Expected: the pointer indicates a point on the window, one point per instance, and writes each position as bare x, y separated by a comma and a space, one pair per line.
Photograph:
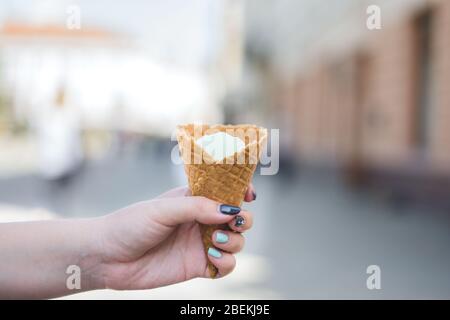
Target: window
424, 84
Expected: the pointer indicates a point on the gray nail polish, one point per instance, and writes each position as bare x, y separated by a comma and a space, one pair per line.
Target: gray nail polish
230, 210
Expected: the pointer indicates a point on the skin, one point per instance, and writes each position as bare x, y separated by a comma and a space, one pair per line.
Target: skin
146, 245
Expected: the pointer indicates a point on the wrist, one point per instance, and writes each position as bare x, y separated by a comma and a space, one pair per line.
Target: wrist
90, 253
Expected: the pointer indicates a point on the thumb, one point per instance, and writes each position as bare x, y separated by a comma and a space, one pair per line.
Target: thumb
175, 211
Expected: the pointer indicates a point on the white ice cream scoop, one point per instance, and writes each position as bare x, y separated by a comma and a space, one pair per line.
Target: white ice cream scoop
220, 145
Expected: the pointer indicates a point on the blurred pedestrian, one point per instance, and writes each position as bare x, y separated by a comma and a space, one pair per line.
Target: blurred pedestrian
59, 140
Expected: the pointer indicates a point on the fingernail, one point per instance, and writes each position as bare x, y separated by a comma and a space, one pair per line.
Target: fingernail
254, 195
221, 237
214, 253
230, 210
239, 221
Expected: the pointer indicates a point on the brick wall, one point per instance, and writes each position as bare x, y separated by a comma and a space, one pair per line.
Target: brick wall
310, 104
326, 112
364, 105
390, 96
440, 148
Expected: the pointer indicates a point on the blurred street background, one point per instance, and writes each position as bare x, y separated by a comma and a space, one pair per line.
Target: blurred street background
91, 91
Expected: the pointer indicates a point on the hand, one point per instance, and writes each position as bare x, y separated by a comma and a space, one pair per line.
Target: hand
158, 242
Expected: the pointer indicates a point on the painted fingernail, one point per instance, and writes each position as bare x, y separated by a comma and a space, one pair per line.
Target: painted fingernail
239, 221
254, 195
214, 253
221, 237
230, 210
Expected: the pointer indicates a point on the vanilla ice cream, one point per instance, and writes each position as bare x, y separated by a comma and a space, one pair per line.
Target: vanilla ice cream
220, 145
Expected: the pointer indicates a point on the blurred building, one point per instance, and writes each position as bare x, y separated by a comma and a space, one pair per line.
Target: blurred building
375, 103
39, 59
105, 74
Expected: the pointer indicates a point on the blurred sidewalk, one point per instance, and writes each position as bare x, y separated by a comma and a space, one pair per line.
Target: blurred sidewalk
312, 237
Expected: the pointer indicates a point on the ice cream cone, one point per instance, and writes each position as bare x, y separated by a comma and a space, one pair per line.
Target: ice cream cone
224, 181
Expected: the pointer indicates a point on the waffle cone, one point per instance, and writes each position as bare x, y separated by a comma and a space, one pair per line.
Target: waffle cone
224, 181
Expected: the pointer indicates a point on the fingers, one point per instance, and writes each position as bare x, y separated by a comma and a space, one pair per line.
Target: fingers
241, 222
174, 211
228, 241
224, 262
226, 244
250, 195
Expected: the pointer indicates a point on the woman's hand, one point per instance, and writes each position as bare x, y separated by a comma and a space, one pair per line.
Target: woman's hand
147, 245
158, 242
